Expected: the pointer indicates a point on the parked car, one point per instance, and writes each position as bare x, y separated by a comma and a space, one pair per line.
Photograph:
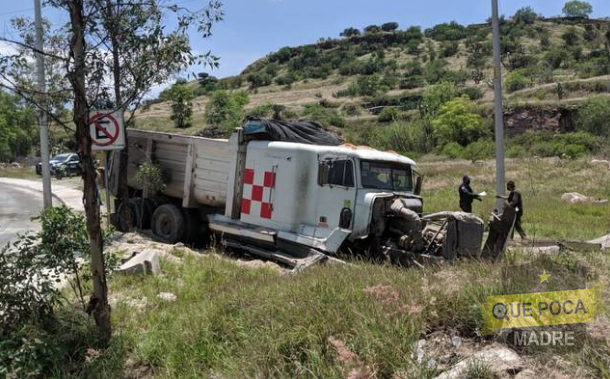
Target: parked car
67, 163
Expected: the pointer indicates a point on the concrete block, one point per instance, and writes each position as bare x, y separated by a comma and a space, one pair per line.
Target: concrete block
144, 263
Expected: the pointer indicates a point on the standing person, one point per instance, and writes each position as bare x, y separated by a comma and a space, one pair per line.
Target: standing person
515, 200
467, 195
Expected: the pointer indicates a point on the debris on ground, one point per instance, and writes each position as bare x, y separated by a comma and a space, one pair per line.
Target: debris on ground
143, 263
575, 198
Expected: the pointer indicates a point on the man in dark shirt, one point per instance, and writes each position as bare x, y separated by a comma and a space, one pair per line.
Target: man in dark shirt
515, 200
467, 195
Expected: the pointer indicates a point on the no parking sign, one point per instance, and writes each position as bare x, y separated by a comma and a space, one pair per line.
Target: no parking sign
107, 130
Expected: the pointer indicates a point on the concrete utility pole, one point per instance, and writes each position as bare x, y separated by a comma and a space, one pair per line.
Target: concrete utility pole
499, 109
44, 126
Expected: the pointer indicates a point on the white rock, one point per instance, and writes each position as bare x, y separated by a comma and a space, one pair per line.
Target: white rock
499, 358
457, 342
167, 296
526, 374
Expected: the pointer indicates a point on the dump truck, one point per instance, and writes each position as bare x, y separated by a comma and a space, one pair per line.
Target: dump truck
290, 193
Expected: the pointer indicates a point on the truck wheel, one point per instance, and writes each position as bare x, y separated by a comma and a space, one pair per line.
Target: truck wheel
126, 216
193, 232
168, 223
143, 212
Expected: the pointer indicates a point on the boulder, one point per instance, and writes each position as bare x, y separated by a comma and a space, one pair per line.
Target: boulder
144, 263
500, 360
575, 198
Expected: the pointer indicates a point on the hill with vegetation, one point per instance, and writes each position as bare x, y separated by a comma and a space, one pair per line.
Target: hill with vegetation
419, 91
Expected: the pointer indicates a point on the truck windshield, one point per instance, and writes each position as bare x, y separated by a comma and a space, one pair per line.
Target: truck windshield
386, 176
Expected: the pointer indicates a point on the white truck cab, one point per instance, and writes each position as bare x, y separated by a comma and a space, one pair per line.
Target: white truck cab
321, 196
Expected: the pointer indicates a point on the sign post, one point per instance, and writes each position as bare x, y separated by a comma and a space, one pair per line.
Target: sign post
107, 132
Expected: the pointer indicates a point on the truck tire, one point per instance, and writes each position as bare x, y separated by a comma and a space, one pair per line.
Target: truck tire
144, 209
126, 216
193, 231
168, 223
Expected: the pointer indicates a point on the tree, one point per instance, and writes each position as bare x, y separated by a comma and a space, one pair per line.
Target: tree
372, 29
180, 96
350, 32
458, 122
226, 109
517, 80
129, 41
593, 116
576, 8
389, 26
525, 16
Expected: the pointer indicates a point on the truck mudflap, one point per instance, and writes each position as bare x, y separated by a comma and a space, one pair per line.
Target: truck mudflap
296, 264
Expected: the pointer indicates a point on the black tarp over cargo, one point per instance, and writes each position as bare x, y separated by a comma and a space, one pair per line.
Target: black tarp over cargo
308, 132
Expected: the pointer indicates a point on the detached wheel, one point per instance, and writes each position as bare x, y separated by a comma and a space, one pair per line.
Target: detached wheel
168, 223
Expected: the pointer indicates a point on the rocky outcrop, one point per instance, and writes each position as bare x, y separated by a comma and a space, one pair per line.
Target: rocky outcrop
554, 120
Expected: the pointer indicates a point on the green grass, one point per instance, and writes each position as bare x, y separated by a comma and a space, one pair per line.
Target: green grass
542, 183
230, 321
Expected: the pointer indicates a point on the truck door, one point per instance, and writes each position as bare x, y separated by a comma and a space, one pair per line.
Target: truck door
336, 198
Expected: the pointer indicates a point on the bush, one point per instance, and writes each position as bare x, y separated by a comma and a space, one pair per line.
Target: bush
259, 80
180, 95
546, 144
447, 32
389, 26
325, 116
593, 116
411, 82
458, 122
453, 150
516, 80
389, 114
226, 109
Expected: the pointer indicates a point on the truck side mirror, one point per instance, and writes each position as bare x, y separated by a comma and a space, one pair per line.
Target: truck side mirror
323, 168
419, 180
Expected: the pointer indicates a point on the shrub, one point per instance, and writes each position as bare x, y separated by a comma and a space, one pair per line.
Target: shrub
325, 116
571, 36
226, 109
388, 114
350, 32
546, 144
450, 48
458, 122
473, 93
593, 116
416, 81
259, 80
389, 26
436, 96
517, 80
453, 150
447, 32
435, 70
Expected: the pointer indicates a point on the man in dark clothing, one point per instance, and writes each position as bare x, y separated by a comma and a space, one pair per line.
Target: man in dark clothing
515, 200
467, 195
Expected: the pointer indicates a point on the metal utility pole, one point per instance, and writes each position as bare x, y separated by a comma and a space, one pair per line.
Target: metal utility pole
44, 126
499, 109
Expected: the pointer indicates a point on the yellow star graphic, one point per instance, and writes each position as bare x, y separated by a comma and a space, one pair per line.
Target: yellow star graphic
544, 277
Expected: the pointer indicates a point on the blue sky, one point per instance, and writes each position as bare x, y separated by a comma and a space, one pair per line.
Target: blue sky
254, 28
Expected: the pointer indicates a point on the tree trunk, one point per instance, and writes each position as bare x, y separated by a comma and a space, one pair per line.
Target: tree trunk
98, 303
113, 13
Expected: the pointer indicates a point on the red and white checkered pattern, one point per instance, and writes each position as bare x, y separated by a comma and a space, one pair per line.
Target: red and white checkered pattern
256, 197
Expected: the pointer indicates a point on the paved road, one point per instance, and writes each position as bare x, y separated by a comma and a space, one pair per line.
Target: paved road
17, 205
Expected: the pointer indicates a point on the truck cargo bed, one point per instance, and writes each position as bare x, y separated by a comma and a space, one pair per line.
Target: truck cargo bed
197, 168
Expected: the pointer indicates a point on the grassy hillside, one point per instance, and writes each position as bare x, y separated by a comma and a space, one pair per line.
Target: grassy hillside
384, 76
